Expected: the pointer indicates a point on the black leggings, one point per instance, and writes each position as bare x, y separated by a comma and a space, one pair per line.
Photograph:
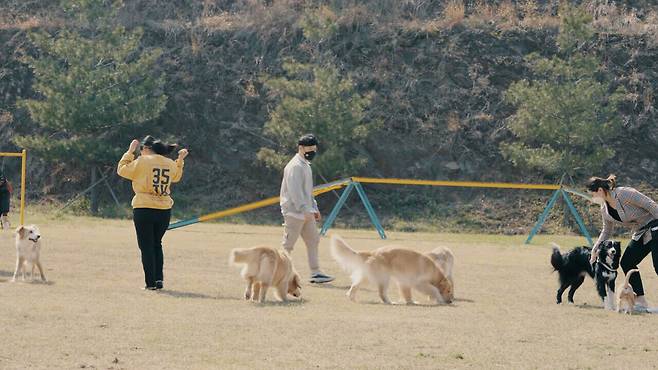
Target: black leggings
151, 225
634, 254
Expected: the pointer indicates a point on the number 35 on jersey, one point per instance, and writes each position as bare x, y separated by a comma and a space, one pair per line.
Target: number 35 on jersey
161, 181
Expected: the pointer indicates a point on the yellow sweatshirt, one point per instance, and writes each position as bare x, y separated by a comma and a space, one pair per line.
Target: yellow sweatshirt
152, 176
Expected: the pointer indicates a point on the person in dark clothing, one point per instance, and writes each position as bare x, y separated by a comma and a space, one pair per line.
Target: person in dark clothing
152, 175
5, 197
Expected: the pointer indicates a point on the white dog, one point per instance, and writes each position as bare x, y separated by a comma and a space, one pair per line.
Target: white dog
28, 246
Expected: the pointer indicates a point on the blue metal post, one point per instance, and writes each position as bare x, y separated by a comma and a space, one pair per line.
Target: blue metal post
334, 212
576, 215
182, 223
371, 211
543, 216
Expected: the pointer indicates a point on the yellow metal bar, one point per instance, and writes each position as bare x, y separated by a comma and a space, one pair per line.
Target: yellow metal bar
369, 180
5, 154
23, 176
330, 188
261, 204
236, 210
472, 184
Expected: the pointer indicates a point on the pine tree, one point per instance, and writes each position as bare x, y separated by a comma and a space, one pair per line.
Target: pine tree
94, 86
566, 115
315, 98
318, 100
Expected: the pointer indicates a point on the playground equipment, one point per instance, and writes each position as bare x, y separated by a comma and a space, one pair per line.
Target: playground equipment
355, 183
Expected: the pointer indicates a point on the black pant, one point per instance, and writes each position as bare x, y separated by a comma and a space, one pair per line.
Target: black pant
4, 202
634, 254
150, 225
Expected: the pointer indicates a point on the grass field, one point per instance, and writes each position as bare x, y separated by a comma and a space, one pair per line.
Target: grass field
93, 314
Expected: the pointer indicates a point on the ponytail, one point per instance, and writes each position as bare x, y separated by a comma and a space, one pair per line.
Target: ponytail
158, 146
163, 148
607, 184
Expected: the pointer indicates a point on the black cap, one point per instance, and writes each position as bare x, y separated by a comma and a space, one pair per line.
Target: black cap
307, 140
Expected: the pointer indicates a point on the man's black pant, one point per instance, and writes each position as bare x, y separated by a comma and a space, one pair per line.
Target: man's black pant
151, 225
634, 254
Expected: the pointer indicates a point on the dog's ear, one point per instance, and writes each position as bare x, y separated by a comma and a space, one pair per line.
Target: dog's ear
297, 281
21, 231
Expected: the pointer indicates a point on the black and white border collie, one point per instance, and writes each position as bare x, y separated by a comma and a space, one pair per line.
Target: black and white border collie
575, 264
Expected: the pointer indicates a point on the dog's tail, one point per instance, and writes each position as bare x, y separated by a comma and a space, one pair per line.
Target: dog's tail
557, 261
238, 256
628, 276
348, 259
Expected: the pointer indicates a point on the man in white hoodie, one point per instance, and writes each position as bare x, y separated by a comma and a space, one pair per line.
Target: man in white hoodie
299, 209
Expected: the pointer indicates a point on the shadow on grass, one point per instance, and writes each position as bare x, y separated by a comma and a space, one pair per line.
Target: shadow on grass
417, 304
347, 287
39, 282
341, 287
180, 294
27, 281
330, 286
591, 307
291, 303
6, 273
586, 306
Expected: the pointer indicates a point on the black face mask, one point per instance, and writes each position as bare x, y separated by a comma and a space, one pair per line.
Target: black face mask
309, 155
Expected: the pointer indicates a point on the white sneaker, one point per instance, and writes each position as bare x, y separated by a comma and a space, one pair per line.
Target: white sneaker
641, 308
5, 223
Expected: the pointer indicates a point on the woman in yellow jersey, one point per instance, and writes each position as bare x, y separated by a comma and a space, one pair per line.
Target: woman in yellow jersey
152, 175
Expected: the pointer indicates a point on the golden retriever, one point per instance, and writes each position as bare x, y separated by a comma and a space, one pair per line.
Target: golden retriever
28, 248
443, 257
626, 298
265, 267
409, 268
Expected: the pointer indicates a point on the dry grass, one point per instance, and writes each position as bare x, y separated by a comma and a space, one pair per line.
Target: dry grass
615, 19
503, 16
28, 23
220, 22
93, 313
453, 13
